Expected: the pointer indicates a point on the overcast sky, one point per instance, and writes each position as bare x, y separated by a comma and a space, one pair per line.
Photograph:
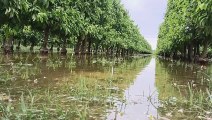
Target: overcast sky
148, 15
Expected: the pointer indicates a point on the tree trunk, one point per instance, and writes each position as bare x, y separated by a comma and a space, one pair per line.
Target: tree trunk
18, 46
64, 50
107, 50
51, 49
3, 43
32, 47
89, 46
122, 52
198, 49
205, 50
82, 47
8, 46
195, 50
96, 49
58, 48
127, 52
190, 52
44, 49
77, 47
184, 51
117, 50
103, 50
112, 50
174, 56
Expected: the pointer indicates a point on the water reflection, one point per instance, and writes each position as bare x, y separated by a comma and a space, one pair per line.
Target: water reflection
184, 90
141, 98
94, 87
82, 86
159, 87
174, 76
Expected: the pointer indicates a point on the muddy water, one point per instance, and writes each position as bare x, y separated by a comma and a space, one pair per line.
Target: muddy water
141, 97
163, 80
83, 87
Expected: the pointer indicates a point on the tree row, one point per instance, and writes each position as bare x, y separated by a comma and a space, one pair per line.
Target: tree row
87, 26
187, 30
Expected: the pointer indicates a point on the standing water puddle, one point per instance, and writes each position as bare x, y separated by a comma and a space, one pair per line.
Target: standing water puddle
93, 88
141, 98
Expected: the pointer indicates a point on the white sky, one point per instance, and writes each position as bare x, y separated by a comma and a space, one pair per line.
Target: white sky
148, 15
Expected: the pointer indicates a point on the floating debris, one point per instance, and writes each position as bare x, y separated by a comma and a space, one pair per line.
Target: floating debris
180, 110
35, 81
169, 114
4, 97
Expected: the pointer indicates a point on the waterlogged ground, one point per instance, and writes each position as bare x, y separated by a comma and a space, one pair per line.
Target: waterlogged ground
83, 87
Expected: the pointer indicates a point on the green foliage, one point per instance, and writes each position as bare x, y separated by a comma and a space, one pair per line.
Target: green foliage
187, 25
103, 24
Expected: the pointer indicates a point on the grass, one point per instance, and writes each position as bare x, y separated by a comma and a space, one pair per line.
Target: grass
76, 94
81, 101
73, 88
195, 106
192, 101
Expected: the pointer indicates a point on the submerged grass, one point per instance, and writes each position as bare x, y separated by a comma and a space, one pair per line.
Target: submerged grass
78, 101
63, 89
191, 102
196, 106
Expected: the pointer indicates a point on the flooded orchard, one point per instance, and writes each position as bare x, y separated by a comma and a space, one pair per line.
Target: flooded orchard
99, 87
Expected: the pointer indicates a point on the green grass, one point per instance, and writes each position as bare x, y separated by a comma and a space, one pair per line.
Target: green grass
84, 94
197, 104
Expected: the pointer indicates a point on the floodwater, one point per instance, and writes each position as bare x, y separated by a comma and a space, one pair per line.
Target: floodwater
138, 105
85, 87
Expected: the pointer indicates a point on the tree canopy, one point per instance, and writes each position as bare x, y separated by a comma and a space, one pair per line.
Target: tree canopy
87, 26
187, 29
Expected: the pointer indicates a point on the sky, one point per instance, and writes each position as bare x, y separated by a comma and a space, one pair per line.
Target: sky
148, 15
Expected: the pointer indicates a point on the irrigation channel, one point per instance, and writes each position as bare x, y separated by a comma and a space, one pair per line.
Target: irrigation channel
98, 87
